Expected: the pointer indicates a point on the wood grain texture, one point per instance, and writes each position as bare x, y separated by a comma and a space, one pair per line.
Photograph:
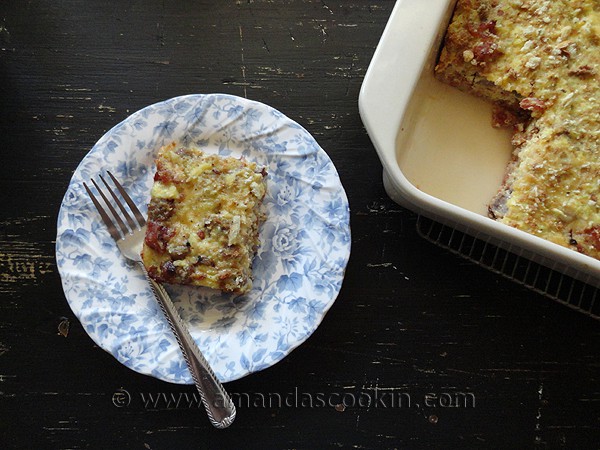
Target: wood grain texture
412, 322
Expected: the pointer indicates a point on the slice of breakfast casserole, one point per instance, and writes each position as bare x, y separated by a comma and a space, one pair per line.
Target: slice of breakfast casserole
203, 219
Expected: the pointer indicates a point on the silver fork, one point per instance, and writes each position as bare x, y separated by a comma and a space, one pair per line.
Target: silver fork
129, 237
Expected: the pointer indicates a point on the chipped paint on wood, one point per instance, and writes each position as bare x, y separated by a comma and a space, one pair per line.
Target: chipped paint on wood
25, 264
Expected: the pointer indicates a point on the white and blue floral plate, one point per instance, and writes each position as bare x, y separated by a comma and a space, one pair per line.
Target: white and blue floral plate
298, 270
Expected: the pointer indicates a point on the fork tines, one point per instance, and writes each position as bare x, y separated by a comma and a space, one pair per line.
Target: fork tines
123, 229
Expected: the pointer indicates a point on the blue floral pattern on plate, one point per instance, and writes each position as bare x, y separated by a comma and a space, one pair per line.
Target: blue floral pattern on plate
298, 270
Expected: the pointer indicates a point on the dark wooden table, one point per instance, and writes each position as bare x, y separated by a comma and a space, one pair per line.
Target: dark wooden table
449, 354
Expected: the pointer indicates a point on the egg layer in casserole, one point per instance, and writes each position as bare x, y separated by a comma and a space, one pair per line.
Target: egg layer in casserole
203, 219
539, 60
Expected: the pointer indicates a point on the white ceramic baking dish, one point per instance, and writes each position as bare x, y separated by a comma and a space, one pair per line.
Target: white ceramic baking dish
441, 158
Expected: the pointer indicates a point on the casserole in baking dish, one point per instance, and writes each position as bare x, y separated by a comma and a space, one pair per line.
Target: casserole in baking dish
440, 156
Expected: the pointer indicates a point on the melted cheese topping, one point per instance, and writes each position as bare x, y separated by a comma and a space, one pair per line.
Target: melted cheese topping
203, 219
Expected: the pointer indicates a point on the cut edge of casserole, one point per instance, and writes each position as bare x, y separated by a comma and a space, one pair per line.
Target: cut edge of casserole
203, 219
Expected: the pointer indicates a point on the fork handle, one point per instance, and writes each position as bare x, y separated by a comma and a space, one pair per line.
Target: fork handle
217, 402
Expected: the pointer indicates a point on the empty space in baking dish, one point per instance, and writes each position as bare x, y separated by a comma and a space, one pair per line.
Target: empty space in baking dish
447, 147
